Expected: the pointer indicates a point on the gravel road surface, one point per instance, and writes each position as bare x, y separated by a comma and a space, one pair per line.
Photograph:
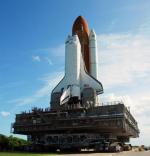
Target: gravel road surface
144, 153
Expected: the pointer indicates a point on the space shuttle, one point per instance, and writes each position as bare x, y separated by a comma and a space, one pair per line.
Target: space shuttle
79, 86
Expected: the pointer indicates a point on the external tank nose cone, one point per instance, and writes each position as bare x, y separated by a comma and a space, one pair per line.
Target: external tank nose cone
80, 24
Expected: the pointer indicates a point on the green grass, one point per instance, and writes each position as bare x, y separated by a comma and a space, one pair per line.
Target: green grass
23, 154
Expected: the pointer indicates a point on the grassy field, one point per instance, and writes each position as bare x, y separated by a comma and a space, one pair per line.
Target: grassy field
23, 154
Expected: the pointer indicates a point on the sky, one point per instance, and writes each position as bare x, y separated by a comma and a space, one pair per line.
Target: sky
32, 54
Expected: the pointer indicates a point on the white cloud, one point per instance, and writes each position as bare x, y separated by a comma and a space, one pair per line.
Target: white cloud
124, 58
125, 63
49, 61
39, 59
57, 51
50, 81
4, 114
36, 58
144, 27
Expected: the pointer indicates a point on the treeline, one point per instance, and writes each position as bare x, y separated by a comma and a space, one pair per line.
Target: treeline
12, 143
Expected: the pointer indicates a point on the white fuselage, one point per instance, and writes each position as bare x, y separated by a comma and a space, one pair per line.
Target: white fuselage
72, 63
76, 77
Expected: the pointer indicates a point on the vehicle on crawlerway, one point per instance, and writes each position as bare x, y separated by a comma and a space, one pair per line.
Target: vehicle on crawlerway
75, 119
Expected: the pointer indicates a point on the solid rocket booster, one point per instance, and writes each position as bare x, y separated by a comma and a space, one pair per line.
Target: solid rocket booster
93, 54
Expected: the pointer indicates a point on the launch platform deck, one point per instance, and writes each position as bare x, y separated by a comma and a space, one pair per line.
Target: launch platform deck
112, 119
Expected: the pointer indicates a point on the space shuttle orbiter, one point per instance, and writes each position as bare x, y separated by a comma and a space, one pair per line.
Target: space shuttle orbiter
79, 87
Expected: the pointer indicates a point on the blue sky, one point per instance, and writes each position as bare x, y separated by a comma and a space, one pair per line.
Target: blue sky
32, 36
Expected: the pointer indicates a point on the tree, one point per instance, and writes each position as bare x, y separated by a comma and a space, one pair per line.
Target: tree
3, 142
12, 143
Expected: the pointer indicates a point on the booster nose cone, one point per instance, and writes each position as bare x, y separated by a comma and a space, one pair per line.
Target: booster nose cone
92, 35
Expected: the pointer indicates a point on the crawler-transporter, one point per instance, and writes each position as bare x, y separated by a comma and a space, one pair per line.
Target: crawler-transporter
75, 120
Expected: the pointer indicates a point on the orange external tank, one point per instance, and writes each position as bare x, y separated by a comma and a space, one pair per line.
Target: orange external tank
80, 27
